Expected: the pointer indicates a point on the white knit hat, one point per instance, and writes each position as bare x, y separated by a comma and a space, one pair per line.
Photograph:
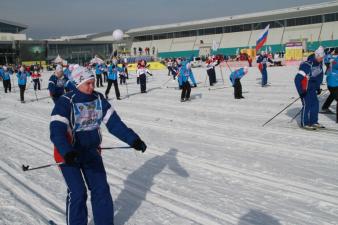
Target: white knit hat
72, 67
320, 52
58, 68
80, 75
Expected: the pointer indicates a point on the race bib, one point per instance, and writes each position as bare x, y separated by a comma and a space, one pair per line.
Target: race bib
60, 82
87, 116
316, 71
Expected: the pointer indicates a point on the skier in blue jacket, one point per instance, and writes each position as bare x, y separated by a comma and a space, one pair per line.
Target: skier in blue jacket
113, 71
184, 75
332, 84
22, 76
57, 83
75, 132
327, 60
6, 74
307, 81
262, 61
98, 72
235, 78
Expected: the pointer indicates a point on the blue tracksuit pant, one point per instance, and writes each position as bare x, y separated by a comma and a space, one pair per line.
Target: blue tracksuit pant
310, 108
264, 76
93, 175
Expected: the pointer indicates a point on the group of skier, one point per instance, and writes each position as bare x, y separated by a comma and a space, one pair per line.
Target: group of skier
79, 111
23, 74
307, 81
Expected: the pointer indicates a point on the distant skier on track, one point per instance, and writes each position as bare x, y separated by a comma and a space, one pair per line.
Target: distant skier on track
183, 79
22, 76
142, 72
75, 132
6, 74
262, 61
56, 84
235, 78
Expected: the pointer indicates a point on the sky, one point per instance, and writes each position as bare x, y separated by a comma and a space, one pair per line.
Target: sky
50, 18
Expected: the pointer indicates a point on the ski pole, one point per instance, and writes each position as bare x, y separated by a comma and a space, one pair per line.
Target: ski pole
220, 68
127, 89
213, 89
36, 95
109, 148
293, 118
205, 82
228, 66
281, 111
13, 85
165, 82
27, 168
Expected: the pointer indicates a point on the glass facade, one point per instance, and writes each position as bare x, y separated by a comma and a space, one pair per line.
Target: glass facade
7, 28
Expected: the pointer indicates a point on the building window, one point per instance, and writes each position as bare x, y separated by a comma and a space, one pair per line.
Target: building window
209, 31
331, 17
219, 30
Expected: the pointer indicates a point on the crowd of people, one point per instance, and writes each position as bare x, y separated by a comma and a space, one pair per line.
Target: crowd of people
79, 111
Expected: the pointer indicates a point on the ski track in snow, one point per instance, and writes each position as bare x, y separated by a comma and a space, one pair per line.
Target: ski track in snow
209, 161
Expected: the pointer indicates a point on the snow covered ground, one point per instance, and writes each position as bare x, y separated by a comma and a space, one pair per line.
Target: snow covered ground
209, 161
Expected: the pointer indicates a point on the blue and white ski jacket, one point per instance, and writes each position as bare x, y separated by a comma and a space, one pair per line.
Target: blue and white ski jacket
309, 76
56, 86
263, 60
81, 115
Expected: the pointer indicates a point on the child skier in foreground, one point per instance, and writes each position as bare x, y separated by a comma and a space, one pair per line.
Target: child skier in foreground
235, 78
75, 132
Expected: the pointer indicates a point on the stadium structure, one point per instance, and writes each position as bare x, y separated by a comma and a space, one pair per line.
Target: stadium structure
313, 25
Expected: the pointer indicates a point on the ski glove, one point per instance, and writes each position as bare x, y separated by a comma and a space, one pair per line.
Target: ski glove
70, 157
195, 85
139, 145
319, 91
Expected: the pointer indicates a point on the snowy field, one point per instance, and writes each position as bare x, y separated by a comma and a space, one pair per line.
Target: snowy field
209, 161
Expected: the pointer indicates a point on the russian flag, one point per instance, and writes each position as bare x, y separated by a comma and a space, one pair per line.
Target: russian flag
262, 38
